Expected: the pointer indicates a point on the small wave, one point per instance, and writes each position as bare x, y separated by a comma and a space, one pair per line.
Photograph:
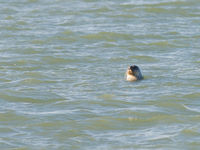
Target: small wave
154, 3
161, 43
190, 132
108, 36
197, 62
9, 18
35, 74
38, 42
157, 10
62, 38
32, 1
192, 109
192, 96
12, 116
9, 10
173, 3
171, 11
34, 81
30, 97
127, 16
68, 32
57, 60
57, 112
98, 10
144, 58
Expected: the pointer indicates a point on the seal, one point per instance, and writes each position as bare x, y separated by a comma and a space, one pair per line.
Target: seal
133, 73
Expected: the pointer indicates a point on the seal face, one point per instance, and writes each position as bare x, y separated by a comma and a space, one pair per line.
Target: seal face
133, 73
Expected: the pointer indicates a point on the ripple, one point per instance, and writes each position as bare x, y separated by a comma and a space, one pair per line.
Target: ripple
108, 36
144, 58
12, 117
161, 43
98, 10
190, 132
192, 96
57, 60
31, 97
48, 113
172, 11
192, 108
62, 74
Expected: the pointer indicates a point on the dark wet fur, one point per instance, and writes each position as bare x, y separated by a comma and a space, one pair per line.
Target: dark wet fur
136, 72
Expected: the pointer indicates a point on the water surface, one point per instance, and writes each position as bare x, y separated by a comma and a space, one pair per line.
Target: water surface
62, 66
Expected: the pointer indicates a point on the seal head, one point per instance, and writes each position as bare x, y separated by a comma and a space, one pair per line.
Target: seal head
133, 73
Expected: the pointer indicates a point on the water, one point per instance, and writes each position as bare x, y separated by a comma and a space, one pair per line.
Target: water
62, 66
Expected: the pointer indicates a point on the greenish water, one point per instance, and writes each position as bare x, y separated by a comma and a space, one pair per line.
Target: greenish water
62, 65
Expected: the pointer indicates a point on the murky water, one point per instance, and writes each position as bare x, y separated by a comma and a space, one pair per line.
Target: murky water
62, 65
